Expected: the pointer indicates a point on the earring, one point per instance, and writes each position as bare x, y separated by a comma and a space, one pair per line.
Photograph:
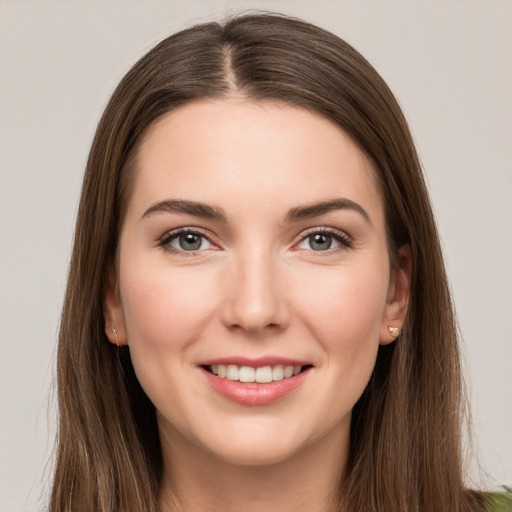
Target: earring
394, 331
117, 337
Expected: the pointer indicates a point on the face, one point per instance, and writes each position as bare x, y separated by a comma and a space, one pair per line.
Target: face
253, 283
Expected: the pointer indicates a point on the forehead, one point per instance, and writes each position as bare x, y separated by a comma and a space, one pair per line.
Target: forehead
243, 153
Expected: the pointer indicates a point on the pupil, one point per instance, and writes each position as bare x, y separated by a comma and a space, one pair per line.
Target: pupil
320, 242
190, 242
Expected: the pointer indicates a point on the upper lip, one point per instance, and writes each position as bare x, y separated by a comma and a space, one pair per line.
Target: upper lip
257, 362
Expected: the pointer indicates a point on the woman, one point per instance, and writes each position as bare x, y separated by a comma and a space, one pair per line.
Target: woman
256, 242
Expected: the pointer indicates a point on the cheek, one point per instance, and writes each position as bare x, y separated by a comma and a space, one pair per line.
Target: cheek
165, 313
345, 308
165, 309
344, 314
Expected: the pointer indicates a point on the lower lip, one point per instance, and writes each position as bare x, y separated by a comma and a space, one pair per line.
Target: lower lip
253, 393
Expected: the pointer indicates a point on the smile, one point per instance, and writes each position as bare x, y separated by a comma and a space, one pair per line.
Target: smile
262, 375
255, 382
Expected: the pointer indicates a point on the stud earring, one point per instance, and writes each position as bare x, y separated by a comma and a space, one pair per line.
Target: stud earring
394, 331
117, 337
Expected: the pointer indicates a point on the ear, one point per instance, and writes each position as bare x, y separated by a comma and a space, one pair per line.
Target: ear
115, 328
397, 301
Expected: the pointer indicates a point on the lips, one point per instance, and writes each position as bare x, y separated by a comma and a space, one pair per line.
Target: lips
255, 382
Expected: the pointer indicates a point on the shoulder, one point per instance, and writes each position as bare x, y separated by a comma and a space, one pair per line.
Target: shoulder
499, 501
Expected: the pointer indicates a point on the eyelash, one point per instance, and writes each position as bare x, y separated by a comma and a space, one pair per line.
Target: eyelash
165, 241
339, 236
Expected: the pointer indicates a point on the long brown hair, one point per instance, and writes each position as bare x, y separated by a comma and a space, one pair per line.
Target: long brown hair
406, 428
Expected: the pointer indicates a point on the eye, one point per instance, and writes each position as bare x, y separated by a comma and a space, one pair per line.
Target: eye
185, 240
324, 240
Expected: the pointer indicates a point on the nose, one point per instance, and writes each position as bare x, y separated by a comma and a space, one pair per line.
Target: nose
254, 294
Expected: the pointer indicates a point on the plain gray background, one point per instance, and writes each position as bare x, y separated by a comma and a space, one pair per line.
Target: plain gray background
448, 62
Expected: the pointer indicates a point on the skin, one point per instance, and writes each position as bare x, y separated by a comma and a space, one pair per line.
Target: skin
255, 288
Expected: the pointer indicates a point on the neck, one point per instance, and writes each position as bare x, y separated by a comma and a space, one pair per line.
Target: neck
196, 480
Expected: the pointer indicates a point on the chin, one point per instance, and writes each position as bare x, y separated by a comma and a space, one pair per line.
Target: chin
254, 454
266, 443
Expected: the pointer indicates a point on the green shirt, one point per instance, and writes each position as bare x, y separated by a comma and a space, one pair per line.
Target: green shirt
499, 501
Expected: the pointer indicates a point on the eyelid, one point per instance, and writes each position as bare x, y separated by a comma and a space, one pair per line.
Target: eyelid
341, 236
164, 241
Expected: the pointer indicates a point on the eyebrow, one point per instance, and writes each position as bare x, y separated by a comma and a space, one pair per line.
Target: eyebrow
207, 211
197, 209
317, 209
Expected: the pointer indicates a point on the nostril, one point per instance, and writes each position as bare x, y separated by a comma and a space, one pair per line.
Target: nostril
253, 300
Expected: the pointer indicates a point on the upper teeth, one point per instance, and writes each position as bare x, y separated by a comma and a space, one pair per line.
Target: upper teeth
249, 374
